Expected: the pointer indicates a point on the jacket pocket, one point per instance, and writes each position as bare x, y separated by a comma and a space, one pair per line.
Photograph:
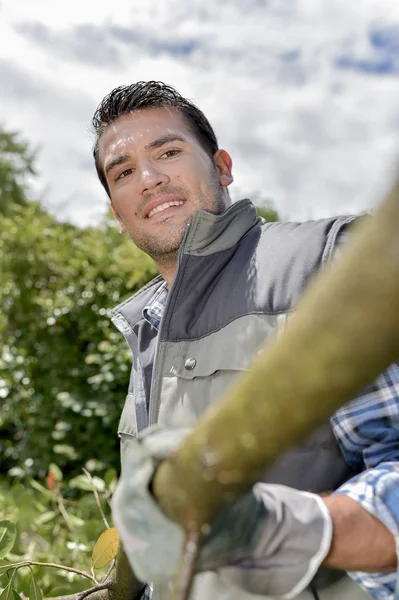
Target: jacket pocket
198, 372
231, 348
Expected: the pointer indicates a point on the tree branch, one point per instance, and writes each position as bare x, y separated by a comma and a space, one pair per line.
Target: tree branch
122, 585
345, 332
29, 563
94, 590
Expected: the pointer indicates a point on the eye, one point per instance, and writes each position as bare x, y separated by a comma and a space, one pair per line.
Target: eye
170, 153
124, 173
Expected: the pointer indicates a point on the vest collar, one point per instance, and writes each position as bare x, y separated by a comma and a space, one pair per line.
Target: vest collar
207, 234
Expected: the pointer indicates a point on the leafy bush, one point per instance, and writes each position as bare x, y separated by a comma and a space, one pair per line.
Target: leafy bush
51, 527
64, 368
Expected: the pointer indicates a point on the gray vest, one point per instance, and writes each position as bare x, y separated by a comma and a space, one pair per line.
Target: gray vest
238, 280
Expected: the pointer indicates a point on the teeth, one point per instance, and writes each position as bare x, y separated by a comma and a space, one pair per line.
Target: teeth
163, 206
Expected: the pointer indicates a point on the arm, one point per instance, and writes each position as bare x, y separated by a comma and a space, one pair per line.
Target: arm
365, 510
362, 538
272, 540
361, 542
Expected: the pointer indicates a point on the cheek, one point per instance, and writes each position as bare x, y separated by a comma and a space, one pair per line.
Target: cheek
125, 204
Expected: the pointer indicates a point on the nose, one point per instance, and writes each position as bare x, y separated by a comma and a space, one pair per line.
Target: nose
151, 176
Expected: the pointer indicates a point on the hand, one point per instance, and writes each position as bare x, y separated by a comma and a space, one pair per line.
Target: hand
152, 542
271, 541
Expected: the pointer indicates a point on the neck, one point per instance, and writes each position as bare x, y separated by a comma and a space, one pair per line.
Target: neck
167, 267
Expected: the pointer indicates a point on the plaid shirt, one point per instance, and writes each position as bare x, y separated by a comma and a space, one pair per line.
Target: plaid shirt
367, 430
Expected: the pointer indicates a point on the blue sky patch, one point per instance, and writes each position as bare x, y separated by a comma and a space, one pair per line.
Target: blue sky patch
382, 57
379, 65
386, 39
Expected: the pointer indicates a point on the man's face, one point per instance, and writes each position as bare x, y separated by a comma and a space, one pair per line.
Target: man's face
158, 175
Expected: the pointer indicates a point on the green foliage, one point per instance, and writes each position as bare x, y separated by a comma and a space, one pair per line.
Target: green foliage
35, 593
268, 213
8, 592
16, 165
7, 537
51, 528
64, 368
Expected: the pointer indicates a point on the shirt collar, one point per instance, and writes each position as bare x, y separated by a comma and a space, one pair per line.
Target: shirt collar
154, 309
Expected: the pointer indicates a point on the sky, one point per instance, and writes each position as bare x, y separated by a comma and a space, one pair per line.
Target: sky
303, 94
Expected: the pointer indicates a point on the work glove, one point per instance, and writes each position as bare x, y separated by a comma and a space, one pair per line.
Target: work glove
269, 542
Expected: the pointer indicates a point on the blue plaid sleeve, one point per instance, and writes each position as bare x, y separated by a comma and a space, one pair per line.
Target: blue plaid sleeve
367, 430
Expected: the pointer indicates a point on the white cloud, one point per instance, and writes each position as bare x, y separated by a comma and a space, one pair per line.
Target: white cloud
303, 94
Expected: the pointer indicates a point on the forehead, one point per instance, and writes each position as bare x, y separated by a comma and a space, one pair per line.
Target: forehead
134, 131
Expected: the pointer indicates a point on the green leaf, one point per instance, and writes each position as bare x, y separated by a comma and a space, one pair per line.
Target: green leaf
81, 482
56, 470
77, 521
6, 566
111, 479
35, 593
40, 488
15, 594
7, 593
45, 517
8, 534
66, 450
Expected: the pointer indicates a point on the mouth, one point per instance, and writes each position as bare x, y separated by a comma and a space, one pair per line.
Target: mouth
163, 206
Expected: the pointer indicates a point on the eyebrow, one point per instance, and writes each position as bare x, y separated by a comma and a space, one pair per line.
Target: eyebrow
119, 160
122, 158
166, 139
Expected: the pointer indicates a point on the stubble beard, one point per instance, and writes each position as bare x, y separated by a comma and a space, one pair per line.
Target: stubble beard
163, 246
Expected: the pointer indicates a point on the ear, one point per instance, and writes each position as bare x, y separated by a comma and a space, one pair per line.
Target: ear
117, 217
224, 164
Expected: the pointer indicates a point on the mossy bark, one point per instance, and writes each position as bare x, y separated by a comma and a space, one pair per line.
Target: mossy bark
344, 333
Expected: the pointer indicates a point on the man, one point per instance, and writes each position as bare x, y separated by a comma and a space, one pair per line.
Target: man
227, 284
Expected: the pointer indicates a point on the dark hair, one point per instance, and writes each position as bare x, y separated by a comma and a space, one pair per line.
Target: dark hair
126, 99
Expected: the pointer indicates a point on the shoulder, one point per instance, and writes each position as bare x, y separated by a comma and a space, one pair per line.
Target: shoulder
306, 231
296, 249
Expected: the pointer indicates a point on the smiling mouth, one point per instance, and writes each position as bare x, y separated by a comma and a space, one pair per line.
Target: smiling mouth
164, 206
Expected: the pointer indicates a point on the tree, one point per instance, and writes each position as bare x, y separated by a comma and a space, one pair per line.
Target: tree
268, 213
64, 368
16, 165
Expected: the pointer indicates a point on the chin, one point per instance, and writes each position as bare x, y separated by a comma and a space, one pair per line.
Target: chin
163, 243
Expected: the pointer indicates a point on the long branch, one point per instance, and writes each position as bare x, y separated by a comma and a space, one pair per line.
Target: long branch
122, 585
94, 590
345, 332
29, 563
